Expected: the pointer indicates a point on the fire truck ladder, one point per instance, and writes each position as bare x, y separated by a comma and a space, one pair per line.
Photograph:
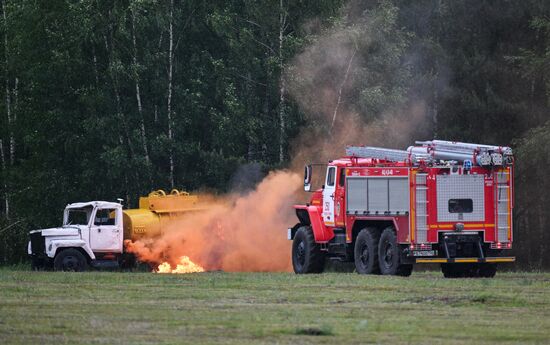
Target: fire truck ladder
503, 214
483, 155
421, 207
381, 153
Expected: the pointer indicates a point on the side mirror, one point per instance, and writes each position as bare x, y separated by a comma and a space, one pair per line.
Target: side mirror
307, 178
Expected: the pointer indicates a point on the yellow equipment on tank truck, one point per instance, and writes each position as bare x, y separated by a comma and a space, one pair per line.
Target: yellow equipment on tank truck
93, 233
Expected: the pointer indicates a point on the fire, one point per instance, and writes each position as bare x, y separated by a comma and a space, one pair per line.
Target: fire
185, 265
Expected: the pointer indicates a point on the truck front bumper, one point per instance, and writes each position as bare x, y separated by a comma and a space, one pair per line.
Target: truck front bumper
464, 260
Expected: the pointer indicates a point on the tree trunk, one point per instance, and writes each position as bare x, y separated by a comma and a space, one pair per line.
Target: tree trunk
7, 86
169, 101
111, 49
435, 113
138, 93
157, 75
339, 99
123, 132
282, 23
94, 59
4, 170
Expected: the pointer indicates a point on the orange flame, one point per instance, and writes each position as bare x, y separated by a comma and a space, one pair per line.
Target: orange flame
185, 265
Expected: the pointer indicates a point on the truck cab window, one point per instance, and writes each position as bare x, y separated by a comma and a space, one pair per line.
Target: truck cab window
342, 180
105, 216
78, 216
331, 176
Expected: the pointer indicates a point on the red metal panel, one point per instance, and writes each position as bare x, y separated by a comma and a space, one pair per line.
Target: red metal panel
412, 206
320, 231
490, 207
339, 202
488, 225
431, 196
401, 224
512, 192
378, 171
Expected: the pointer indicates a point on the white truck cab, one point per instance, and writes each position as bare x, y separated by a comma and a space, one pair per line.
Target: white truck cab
91, 234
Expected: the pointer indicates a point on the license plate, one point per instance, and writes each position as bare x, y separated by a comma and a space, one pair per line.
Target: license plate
424, 252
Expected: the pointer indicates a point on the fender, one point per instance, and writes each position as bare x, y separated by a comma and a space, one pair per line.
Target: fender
54, 245
321, 233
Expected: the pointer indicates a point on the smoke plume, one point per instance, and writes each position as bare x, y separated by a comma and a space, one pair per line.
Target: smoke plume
235, 233
354, 84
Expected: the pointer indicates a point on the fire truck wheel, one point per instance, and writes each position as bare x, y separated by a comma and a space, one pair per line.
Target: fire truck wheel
459, 270
70, 260
447, 270
366, 251
307, 256
487, 270
37, 264
451, 270
389, 255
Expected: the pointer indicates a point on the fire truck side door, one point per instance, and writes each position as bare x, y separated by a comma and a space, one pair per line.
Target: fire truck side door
105, 232
339, 197
328, 196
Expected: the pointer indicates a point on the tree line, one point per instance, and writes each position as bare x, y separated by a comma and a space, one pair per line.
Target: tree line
107, 99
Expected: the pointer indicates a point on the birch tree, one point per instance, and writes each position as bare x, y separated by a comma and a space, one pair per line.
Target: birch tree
282, 28
10, 115
169, 97
138, 92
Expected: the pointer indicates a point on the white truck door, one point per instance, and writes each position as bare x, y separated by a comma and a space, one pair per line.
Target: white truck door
106, 230
328, 196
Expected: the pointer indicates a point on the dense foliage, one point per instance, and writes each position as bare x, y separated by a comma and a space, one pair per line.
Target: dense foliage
113, 99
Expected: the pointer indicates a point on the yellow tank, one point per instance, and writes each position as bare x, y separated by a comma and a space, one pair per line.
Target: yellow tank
155, 210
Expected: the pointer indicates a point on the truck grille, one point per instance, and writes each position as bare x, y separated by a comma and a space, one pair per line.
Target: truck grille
38, 243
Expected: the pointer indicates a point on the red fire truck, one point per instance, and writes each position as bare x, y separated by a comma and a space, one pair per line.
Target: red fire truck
436, 202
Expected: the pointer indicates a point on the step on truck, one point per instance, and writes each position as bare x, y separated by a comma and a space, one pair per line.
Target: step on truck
386, 210
93, 233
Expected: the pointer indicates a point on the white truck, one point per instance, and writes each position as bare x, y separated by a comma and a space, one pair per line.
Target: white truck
93, 233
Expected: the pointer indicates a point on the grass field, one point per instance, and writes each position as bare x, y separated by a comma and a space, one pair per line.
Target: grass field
342, 308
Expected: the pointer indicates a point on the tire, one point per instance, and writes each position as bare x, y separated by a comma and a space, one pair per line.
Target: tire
307, 256
127, 261
37, 264
70, 260
461, 270
389, 255
404, 270
366, 251
448, 271
487, 270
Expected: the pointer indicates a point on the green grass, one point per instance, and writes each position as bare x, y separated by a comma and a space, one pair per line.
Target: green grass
240, 308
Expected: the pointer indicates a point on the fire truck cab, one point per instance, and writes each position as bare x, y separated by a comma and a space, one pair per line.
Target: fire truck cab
386, 210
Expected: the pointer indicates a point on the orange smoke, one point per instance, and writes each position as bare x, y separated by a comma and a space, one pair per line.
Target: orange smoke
233, 233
